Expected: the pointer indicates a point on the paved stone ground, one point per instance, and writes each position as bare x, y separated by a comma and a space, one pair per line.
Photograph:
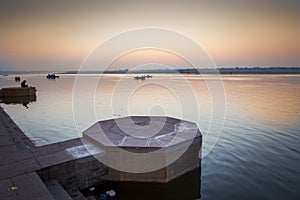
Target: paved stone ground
18, 163
20, 160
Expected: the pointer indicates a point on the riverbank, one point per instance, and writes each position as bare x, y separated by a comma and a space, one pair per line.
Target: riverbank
18, 163
29, 172
211, 70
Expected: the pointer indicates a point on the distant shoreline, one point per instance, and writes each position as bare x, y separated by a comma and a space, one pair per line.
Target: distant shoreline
236, 70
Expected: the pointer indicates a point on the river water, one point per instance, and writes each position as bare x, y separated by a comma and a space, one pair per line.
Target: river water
250, 123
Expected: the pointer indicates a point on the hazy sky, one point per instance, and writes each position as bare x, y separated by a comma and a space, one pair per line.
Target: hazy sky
58, 35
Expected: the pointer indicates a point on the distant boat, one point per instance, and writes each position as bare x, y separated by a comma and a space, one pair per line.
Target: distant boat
140, 77
17, 78
52, 76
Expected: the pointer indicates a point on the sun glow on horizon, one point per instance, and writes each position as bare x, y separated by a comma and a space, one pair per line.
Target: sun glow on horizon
234, 33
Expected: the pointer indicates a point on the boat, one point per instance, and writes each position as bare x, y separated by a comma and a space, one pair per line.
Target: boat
17, 91
140, 77
52, 76
17, 78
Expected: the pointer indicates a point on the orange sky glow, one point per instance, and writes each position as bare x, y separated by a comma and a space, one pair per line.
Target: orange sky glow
58, 35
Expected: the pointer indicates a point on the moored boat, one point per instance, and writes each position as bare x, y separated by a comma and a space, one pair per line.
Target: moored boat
17, 91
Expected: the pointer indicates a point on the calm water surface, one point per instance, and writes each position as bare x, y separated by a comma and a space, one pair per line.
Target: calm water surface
257, 155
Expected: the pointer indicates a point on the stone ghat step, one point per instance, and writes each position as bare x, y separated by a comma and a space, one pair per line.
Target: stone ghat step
147, 149
57, 190
142, 131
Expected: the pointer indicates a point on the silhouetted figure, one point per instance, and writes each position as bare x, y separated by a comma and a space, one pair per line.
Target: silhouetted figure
23, 84
17, 78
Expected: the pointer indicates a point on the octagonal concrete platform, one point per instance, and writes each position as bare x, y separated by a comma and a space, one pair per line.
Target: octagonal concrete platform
147, 149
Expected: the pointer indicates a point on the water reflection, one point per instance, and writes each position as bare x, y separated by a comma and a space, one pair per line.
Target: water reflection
274, 98
23, 100
186, 187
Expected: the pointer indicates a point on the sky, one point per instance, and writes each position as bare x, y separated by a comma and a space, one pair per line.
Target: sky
59, 35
